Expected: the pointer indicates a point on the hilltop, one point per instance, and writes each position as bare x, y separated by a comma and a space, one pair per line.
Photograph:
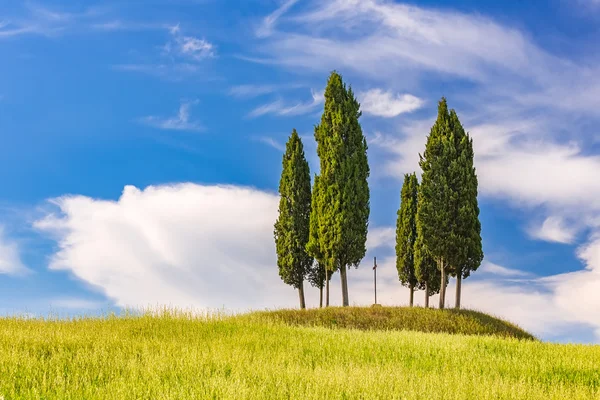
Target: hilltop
465, 322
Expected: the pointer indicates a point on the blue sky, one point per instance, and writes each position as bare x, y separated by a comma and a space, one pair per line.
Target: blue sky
141, 146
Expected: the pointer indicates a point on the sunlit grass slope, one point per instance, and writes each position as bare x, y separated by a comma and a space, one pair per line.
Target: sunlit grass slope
400, 318
252, 357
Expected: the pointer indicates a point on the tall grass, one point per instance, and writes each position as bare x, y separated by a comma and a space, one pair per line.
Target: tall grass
185, 356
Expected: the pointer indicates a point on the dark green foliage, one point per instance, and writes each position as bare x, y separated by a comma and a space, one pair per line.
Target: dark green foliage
426, 270
467, 214
399, 318
316, 275
313, 246
448, 215
343, 203
434, 214
292, 225
406, 232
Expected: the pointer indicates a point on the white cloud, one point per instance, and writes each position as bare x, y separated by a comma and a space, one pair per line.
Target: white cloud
384, 236
251, 90
180, 57
279, 108
395, 36
181, 122
183, 245
10, 257
268, 23
190, 47
39, 20
553, 229
495, 269
386, 104
271, 142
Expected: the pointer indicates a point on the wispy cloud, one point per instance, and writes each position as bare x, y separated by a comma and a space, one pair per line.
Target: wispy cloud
278, 107
249, 91
180, 122
495, 269
268, 23
10, 257
35, 19
181, 56
385, 104
269, 141
190, 47
117, 25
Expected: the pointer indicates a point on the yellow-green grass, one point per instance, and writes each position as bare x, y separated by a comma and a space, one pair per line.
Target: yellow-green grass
177, 356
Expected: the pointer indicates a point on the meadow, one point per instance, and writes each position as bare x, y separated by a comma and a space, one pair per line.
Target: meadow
177, 355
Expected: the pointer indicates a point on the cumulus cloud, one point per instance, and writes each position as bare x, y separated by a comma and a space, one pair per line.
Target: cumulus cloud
386, 104
184, 245
10, 257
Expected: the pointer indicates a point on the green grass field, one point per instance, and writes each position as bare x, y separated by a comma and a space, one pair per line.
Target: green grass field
263, 356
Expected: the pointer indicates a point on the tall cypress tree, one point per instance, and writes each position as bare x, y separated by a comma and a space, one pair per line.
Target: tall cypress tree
468, 235
435, 208
292, 225
343, 206
406, 234
448, 213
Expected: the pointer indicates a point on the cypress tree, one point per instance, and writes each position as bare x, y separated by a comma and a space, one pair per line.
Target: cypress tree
406, 234
447, 212
468, 237
343, 207
292, 225
434, 211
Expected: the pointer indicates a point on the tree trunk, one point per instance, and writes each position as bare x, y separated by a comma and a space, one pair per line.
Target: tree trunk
443, 283
321, 297
326, 288
301, 294
426, 295
412, 294
344, 279
458, 290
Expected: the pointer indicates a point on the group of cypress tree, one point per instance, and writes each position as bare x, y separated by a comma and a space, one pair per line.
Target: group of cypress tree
319, 233
438, 230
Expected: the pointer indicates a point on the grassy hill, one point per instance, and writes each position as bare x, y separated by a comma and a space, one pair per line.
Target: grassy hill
419, 319
260, 356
